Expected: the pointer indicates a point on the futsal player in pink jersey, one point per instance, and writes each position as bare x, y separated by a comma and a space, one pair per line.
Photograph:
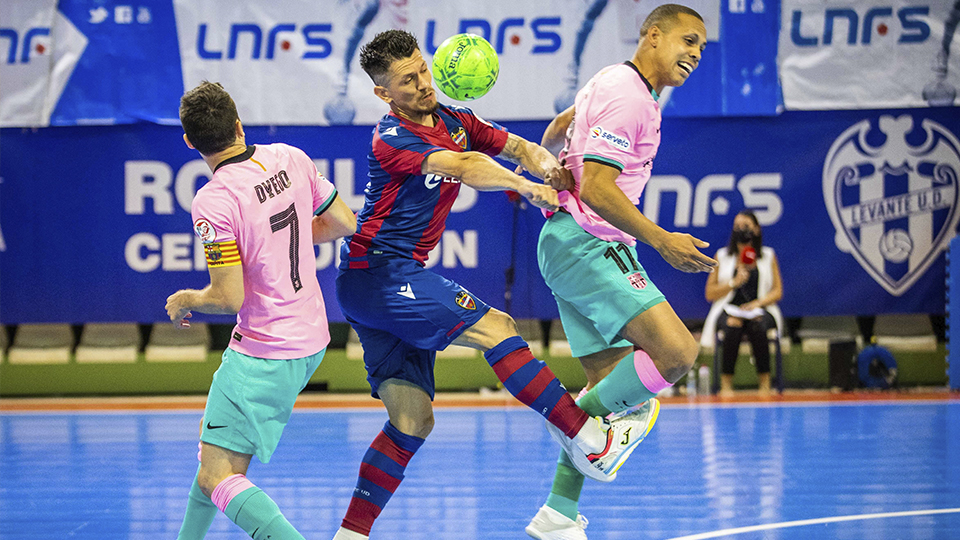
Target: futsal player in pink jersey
258, 218
629, 340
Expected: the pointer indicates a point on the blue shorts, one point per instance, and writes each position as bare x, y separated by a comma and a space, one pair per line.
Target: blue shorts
404, 313
251, 399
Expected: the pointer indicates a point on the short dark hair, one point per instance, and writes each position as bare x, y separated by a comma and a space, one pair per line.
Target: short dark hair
384, 49
665, 17
209, 116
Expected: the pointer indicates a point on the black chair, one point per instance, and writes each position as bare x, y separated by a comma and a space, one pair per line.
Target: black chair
773, 335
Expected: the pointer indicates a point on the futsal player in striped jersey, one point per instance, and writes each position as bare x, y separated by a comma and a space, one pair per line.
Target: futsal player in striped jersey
258, 218
629, 340
421, 153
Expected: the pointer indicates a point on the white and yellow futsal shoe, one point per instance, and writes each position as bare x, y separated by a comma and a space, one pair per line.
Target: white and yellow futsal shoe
549, 524
624, 433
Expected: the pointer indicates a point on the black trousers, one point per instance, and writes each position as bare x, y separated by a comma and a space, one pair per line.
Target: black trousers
756, 332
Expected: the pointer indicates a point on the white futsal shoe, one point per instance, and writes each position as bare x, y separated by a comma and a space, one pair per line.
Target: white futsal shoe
549, 524
624, 433
347, 534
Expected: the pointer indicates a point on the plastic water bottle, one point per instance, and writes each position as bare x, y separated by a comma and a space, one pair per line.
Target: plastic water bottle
703, 380
692, 382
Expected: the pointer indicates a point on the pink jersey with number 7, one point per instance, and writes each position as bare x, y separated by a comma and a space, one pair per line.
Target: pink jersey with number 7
256, 211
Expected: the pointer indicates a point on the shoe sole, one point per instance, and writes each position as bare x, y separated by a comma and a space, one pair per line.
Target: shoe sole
532, 532
622, 458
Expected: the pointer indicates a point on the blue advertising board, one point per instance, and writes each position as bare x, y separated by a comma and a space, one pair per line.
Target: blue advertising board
859, 206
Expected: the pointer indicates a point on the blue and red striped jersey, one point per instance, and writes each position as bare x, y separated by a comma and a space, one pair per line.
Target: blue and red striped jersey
404, 211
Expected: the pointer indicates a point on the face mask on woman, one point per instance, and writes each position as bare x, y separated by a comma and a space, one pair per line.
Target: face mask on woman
743, 236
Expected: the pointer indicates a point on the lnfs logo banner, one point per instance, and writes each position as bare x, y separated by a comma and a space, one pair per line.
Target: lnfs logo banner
890, 187
39, 48
869, 54
290, 63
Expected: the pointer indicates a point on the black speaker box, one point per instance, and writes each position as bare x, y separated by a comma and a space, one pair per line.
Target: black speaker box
843, 359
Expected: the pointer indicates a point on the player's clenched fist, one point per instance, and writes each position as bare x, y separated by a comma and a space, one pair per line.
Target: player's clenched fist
540, 195
560, 179
176, 309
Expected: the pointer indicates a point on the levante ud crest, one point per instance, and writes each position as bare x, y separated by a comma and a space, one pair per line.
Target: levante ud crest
890, 188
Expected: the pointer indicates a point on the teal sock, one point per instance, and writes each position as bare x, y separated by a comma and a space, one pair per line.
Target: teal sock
199, 515
616, 392
256, 513
567, 484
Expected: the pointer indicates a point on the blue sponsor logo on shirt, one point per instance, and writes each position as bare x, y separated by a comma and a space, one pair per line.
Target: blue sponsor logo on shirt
600, 133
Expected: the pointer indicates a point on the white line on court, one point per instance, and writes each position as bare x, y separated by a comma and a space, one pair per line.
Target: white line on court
804, 522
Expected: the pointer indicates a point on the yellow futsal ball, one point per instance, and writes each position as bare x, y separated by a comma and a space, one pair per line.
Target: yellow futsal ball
465, 67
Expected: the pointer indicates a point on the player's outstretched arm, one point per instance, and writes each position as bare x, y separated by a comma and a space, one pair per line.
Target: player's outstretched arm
482, 173
334, 222
223, 296
598, 189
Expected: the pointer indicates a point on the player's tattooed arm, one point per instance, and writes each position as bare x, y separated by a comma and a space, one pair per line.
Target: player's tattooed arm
530, 156
538, 160
483, 173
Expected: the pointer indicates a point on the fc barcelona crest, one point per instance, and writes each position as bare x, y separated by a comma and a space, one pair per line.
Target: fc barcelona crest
465, 301
460, 137
891, 191
636, 280
214, 253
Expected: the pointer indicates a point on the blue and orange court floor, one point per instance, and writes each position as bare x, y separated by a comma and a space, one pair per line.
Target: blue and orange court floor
802, 466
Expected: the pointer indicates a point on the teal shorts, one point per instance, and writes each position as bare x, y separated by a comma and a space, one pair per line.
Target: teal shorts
599, 286
251, 399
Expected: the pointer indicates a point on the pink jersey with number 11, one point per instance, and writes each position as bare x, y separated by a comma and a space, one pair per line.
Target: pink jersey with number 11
256, 211
617, 123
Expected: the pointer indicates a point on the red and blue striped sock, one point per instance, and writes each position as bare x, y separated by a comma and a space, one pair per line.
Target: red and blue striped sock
381, 472
534, 384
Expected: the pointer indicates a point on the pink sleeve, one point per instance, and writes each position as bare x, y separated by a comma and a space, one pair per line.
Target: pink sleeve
213, 217
323, 190
614, 126
323, 194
